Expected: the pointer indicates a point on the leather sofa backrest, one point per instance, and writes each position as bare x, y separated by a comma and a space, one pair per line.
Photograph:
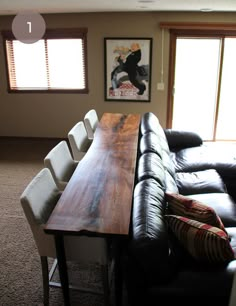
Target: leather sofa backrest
150, 247
155, 175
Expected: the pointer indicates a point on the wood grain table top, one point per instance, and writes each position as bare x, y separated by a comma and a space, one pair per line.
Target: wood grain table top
98, 197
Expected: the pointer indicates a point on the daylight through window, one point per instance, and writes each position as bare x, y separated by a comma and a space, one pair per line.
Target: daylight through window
51, 64
201, 95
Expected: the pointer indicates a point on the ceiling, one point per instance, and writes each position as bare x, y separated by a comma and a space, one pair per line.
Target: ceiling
12, 7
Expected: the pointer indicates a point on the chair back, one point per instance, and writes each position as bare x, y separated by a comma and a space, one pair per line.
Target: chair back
38, 201
91, 122
61, 164
79, 142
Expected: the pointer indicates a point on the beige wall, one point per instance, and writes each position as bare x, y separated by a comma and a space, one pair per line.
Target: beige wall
52, 115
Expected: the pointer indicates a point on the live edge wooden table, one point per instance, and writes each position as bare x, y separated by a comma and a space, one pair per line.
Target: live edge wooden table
97, 201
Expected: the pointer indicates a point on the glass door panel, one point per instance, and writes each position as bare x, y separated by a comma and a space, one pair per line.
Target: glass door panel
195, 88
226, 125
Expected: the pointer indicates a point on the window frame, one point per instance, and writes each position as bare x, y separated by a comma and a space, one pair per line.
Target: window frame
51, 34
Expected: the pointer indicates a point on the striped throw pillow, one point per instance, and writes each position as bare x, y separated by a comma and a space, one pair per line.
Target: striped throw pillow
192, 209
204, 242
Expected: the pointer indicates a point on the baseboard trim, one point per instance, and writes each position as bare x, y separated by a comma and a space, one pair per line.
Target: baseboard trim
32, 138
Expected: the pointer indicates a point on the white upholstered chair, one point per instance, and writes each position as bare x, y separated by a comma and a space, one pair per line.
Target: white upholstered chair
61, 164
79, 141
91, 122
38, 201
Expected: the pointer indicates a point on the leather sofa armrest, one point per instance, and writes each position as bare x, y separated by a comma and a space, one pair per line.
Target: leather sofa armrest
182, 139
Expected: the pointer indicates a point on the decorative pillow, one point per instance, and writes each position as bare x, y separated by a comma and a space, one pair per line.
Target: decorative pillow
204, 242
193, 209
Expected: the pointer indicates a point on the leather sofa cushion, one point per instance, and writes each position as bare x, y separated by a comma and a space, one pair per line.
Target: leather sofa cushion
168, 164
192, 159
148, 211
221, 157
195, 285
182, 139
149, 142
149, 123
149, 245
205, 181
232, 235
223, 205
170, 184
150, 166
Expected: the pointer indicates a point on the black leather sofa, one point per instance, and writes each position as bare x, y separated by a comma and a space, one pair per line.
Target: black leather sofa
177, 162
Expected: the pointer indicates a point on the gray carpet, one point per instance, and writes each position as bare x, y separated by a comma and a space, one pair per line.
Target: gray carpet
20, 269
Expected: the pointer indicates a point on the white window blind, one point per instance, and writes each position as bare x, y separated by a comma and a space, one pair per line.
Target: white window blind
50, 64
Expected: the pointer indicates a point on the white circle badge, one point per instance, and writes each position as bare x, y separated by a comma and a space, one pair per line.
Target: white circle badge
28, 27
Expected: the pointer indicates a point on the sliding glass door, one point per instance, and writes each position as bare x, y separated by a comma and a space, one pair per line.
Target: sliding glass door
203, 90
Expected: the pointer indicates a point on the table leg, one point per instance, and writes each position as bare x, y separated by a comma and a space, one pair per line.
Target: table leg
61, 259
118, 271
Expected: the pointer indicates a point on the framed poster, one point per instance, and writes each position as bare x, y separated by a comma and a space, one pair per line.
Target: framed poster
128, 69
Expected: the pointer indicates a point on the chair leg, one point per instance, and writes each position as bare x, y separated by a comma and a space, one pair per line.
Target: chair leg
50, 276
58, 284
44, 265
106, 286
47, 276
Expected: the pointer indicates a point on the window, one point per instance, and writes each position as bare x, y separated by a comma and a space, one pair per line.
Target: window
56, 63
201, 95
